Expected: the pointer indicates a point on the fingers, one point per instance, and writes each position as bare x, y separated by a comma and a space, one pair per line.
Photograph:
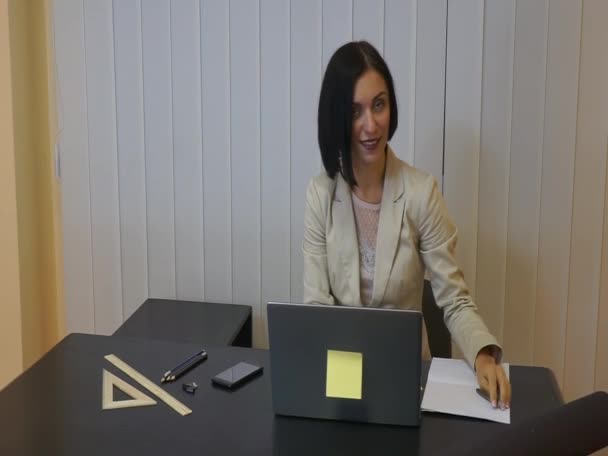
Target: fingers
504, 386
492, 385
486, 377
483, 381
494, 381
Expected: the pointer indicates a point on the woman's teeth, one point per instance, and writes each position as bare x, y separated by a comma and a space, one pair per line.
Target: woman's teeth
370, 144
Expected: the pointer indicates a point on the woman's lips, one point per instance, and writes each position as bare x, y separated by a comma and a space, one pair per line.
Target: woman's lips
370, 144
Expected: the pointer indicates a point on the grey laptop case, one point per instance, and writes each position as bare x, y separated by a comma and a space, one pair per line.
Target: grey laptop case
387, 340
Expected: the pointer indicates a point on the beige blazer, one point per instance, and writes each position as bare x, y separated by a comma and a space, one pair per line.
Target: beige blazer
415, 234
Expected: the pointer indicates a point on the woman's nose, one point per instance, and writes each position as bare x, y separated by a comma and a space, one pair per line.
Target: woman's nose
369, 122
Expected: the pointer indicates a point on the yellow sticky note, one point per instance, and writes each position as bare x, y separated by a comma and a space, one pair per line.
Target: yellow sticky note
344, 374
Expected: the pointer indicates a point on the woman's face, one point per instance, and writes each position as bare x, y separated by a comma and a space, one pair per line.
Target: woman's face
371, 118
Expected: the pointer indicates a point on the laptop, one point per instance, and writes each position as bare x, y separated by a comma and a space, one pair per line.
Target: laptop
345, 363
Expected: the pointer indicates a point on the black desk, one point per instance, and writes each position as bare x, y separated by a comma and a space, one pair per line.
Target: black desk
193, 322
54, 408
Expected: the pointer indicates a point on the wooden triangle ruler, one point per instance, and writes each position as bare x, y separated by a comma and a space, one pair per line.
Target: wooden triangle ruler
149, 385
110, 381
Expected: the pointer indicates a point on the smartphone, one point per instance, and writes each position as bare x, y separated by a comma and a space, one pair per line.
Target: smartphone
237, 375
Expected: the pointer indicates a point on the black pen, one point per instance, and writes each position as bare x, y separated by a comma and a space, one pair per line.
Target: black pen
483, 393
184, 367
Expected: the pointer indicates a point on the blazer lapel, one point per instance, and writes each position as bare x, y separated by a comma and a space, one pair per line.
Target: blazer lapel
389, 226
344, 218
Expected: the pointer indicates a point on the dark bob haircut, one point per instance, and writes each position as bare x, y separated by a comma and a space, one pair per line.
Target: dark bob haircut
334, 121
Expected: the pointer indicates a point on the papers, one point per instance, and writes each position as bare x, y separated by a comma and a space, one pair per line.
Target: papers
450, 388
344, 374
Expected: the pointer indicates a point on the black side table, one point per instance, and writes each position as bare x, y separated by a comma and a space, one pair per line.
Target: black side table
202, 323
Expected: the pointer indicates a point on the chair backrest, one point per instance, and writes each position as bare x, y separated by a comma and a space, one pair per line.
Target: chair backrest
579, 427
440, 341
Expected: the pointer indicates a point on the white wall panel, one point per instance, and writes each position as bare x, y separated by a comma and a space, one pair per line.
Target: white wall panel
430, 87
588, 203
103, 162
527, 122
368, 22
158, 128
337, 28
463, 125
245, 156
400, 31
131, 157
601, 354
274, 151
557, 183
74, 148
494, 158
187, 148
216, 150
305, 70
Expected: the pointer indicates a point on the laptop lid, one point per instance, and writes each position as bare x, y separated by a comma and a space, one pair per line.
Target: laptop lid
345, 363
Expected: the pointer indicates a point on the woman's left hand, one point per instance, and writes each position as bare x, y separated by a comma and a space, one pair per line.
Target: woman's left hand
492, 378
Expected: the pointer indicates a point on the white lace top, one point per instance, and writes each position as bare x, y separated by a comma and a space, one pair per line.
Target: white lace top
366, 221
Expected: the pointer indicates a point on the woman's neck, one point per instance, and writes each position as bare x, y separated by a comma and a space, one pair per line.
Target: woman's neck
370, 181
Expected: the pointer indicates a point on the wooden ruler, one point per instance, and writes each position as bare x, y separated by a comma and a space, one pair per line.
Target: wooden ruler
108, 403
151, 386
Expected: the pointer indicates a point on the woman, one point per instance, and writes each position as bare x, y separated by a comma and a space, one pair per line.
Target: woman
374, 225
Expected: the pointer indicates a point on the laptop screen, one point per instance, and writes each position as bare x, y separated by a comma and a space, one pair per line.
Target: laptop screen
345, 363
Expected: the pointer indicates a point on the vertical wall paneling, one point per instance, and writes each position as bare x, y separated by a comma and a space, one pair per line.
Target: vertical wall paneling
216, 150
430, 86
73, 142
245, 156
400, 55
524, 178
131, 160
588, 203
187, 135
337, 28
495, 141
556, 183
158, 109
368, 22
187, 148
305, 70
274, 152
462, 126
103, 161
601, 356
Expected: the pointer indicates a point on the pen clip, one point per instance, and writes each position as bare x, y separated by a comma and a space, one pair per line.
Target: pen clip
185, 366
190, 359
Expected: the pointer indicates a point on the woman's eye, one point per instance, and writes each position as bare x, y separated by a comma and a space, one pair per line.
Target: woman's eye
379, 104
356, 112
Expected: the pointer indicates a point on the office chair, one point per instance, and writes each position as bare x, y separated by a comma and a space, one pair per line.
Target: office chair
440, 340
577, 428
